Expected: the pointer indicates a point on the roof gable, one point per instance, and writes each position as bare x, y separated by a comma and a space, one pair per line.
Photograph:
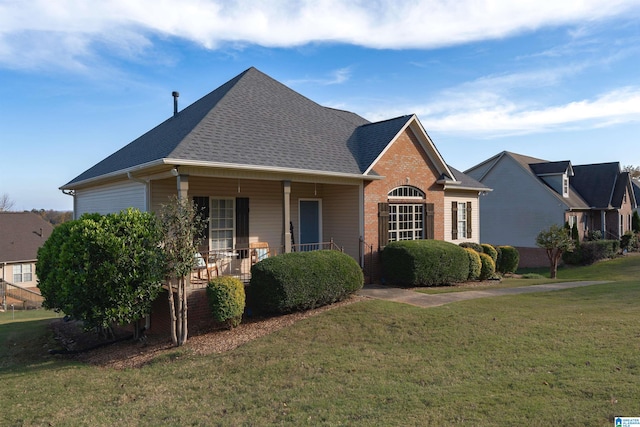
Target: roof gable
596, 183
21, 234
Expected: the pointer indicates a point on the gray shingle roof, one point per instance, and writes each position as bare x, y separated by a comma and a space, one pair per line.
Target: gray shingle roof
21, 234
251, 120
549, 168
596, 183
466, 181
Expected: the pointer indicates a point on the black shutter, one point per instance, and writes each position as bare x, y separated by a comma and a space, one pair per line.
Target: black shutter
383, 225
454, 220
201, 205
429, 226
469, 220
242, 226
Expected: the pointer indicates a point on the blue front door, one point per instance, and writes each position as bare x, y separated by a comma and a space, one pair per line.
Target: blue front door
309, 224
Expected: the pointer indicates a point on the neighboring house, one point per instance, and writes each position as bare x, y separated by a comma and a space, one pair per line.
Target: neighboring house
269, 167
21, 235
530, 194
636, 192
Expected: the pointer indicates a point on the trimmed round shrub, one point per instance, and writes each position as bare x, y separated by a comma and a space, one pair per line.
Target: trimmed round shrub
508, 260
302, 280
488, 267
424, 263
491, 251
475, 246
226, 299
475, 265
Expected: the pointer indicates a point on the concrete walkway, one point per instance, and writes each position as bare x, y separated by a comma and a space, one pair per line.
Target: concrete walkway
408, 296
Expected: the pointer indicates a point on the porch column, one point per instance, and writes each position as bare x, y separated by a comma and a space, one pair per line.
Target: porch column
603, 224
183, 186
286, 206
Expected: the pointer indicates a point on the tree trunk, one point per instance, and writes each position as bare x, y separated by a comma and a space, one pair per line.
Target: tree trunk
172, 314
179, 313
184, 329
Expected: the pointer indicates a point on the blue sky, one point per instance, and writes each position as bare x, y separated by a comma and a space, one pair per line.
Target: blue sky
550, 79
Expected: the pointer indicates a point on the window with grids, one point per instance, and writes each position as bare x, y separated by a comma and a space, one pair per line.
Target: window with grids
406, 221
22, 273
462, 220
222, 220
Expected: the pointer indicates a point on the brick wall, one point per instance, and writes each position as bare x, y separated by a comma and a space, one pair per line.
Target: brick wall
198, 312
404, 163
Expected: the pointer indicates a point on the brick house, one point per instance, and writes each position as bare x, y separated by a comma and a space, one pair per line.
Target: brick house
269, 166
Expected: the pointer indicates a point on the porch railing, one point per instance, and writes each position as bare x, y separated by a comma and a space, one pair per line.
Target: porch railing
238, 263
18, 296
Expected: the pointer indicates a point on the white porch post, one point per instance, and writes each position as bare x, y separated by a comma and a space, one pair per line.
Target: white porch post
183, 186
286, 206
603, 224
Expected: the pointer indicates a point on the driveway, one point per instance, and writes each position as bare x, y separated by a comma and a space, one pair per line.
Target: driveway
408, 296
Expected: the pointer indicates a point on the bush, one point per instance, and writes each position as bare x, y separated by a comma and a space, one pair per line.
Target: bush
491, 251
591, 251
302, 280
475, 246
629, 241
508, 260
488, 268
475, 265
226, 299
424, 263
598, 249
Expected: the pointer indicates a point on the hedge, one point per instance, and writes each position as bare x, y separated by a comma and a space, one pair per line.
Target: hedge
508, 260
302, 280
488, 266
424, 263
592, 251
475, 265
490, 250
226, 299
475, 246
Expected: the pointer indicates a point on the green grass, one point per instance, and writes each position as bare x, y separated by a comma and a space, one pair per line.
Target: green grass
558, 358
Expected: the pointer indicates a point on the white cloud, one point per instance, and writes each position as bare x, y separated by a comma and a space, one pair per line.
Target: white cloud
507, 118
339, 76
282, 23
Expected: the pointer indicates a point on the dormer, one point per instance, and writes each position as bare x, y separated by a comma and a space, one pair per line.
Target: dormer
555, 175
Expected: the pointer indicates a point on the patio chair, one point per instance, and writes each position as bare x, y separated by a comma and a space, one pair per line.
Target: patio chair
259, 251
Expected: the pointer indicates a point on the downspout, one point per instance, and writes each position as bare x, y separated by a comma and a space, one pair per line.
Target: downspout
72, 193
4, 287
147, 196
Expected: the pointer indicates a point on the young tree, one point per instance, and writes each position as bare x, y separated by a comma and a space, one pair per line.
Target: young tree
6, 203
635, 222
555, 240
634, 171
181, 224
103, 270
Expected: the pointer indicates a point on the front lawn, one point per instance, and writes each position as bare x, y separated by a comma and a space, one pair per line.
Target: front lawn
557, 358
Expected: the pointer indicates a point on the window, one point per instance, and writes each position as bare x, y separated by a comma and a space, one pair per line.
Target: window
462, 220
572, 220
22, 273
565, 186
405, 221
222, 219
406, 216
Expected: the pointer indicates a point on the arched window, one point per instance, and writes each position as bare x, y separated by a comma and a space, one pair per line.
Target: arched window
409, 216
406, 192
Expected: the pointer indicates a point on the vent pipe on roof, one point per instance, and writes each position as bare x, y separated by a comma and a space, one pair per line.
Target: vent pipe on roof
175, 102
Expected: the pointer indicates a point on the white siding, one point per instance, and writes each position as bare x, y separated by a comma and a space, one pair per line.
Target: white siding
341, 212
111, 198
518, 208
462, 197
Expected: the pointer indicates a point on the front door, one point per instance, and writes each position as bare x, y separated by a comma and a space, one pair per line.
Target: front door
310, 224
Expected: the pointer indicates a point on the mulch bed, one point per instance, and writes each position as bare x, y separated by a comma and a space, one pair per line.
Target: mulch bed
129, 353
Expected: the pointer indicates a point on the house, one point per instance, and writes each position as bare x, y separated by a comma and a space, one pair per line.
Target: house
21, 235
530, 194
267, 165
